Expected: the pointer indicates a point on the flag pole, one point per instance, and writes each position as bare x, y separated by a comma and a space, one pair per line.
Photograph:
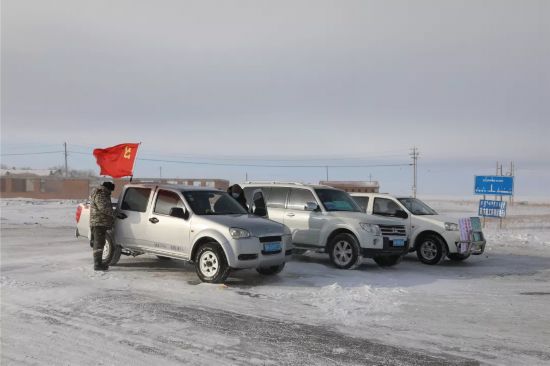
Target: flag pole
134, 164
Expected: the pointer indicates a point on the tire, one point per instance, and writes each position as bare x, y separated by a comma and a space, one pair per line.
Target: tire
457, 257
269, 271
431, 250
162, 258
344, 251
388, 261
210, 263
111, 252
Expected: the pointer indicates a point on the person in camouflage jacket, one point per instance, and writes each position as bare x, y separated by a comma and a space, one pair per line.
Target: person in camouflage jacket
101, 219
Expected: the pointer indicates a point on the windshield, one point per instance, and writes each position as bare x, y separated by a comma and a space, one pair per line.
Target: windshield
417, 207
212, 203
335, 200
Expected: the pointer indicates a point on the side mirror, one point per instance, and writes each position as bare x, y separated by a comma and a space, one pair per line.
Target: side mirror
179, 213
401, 214
311, 206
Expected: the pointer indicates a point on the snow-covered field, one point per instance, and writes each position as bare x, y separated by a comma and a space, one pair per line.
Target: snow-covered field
491, 309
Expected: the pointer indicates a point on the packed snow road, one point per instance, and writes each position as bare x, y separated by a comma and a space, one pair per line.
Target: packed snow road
491, 309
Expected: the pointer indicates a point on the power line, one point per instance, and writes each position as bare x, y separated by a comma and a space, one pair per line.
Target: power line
33, 153
274, 165
159, 155
193, 162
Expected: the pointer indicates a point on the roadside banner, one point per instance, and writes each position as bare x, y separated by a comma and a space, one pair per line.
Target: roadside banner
465, 228
490, 208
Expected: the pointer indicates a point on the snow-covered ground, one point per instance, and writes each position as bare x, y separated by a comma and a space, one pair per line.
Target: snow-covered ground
491, 309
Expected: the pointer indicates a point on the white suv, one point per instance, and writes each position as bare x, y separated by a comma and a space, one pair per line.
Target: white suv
432, 236
328, 220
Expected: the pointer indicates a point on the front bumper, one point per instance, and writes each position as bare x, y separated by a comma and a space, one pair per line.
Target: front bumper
470, 247
387, 248
249, 253
465, 247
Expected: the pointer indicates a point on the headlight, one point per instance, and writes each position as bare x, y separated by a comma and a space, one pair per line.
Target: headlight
373, 229
451, 226
237, 233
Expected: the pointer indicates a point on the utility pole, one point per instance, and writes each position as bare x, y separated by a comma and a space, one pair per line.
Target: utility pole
326, 167
414, 155
160, 172
66, 164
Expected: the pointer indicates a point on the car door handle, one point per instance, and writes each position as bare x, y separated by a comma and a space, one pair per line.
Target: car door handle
290, 214
121, 215
154, 220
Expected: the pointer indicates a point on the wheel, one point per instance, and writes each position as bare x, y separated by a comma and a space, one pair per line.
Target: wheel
162, 258
111, 252
457, 257
431, 250
344, 251
273, 270
388, 261
210, 263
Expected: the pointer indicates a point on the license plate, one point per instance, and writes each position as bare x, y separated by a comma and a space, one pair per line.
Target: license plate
272, 247
398, 242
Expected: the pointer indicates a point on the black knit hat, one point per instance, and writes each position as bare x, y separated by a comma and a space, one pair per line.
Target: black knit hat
109, 185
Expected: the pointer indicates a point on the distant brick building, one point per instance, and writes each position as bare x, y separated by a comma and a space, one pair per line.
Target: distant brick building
353, 186
45, 185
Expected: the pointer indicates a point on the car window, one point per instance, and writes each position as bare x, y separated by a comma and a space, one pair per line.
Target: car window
136, 199
417, 207
362, 201
336, 200
165, 201
276, 197
213, 203
299, 198
385, 207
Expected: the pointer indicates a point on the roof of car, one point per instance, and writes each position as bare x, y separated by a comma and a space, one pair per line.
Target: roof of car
285, 184
178, 187
363, 194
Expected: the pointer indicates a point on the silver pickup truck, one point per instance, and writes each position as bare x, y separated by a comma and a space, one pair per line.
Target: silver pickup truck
197, 224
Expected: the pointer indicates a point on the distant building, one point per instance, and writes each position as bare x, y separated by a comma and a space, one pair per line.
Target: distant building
44, 184
29, 185
27, 172
353, 186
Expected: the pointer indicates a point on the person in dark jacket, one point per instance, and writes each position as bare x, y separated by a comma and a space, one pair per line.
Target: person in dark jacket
238, 194
101, 219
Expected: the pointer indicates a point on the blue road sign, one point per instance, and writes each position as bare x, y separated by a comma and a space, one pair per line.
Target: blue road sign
494, 184
489, 208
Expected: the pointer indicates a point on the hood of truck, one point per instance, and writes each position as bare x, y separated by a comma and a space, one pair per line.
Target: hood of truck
438, 220
363, 217
257, 226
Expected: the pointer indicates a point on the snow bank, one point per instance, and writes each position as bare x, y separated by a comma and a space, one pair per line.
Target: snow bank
49, 213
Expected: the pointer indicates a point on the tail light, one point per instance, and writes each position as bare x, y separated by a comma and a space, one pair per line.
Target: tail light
78, 212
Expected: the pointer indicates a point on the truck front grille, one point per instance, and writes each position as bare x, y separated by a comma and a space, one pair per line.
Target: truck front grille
393, 230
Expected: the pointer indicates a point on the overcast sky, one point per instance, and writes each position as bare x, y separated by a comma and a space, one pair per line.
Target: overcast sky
467, 82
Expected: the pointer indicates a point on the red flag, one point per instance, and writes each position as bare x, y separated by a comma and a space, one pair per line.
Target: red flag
117, 161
